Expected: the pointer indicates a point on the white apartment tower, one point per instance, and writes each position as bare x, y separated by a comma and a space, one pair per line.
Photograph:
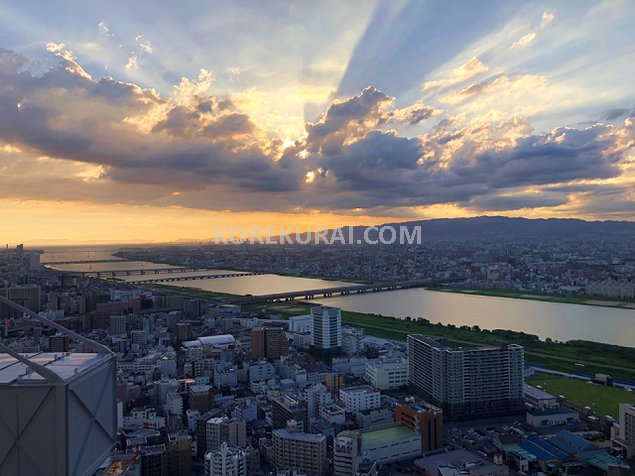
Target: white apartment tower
327, 328
467, 382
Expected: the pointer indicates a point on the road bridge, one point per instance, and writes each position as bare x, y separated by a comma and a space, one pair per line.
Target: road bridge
337, 290
141, 271
168, 279
92, 261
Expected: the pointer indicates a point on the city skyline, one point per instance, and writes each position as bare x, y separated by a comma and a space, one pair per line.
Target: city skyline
157, 124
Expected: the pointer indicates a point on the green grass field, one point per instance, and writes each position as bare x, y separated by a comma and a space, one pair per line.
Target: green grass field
598, 358
603, 400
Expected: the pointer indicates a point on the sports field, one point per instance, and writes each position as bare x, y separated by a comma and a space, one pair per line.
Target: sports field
579, 393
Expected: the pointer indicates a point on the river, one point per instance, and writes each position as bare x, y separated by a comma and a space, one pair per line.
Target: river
558, 321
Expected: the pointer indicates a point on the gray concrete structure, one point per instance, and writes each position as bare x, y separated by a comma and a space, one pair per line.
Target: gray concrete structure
57, 410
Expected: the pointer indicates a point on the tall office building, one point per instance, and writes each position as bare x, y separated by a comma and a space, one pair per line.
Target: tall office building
269, 342
327, 328
467, 383
69, 398
226, 461
154, 460
183, 331
179, 453
302, 452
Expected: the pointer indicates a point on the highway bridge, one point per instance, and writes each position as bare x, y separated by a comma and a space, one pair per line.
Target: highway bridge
168, 279
141, 271
57, 263
339, 290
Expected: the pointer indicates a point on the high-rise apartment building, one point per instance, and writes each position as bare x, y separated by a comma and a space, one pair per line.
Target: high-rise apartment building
200, 397
118, 325
327, 328
467, 383
299, 451
179, 454
623, 433
269, 342
183, 331
24, 295
213, 432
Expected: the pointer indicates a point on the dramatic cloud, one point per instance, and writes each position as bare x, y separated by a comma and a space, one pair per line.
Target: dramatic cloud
67, 136
346, 120
473, 165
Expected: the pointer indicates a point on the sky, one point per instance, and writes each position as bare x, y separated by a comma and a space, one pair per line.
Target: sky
147, 121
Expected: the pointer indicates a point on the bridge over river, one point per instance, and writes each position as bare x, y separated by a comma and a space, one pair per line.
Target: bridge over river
172, 278
339, 290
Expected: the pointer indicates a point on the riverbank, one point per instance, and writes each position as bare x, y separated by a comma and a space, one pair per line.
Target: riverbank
594, 357
504, 293
535, 296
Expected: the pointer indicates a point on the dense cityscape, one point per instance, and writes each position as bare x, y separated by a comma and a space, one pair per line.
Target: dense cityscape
203, 385
602, 267
317, 238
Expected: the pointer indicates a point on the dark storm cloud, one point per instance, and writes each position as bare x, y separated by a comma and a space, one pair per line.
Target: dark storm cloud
517, 202
394, 168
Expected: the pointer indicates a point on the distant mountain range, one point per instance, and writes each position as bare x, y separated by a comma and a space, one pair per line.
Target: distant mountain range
492, 228
486, 227
489, 228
